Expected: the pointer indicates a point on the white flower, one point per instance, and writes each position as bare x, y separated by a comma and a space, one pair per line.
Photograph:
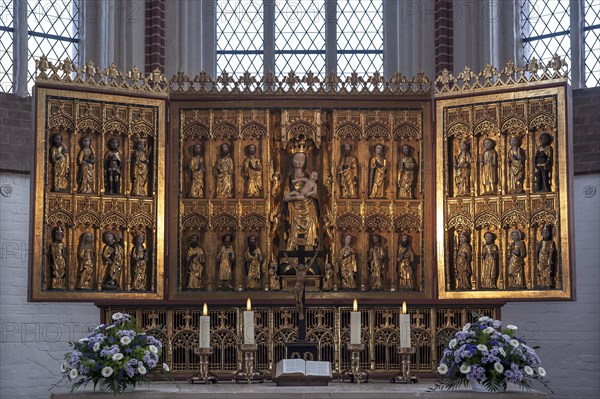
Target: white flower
107, 372
482, 347
512, 327
63, 368
488, 330
541, 371
82, 340
484, 318
499, 368
465, 368
466, 327
502, 352
117, 356
153, 349
166, 367
515, 343
528, 370
442, 369
142, 369
96, 347
125, 340
452, 343
73, 374
117, 316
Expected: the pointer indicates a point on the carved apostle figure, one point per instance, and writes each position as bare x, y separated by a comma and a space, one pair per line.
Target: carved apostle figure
197, 168
86, 255
252, 173
349, 266
224, 168
348, 171
489, 262
59, 157
139, 261
254, 259
407, 172
544, 158
226, 262
58, 259
140, 169
299, 289
489, 167
377, 173
462, 261
376, 263
546, 258
274, 283
301, 199
516, 166
113, 260
86, 160
112, 166
516, 260
195, 263
462, 169
406, 259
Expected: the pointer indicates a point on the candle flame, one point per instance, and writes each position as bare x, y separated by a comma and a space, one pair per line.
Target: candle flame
404, 307
205, 310
248, 304
355, 306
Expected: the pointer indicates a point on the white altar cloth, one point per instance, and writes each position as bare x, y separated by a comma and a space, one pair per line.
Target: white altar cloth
228, 390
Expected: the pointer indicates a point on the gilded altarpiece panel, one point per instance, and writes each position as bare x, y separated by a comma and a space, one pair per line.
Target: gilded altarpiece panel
99, 203
503, 195
256, 187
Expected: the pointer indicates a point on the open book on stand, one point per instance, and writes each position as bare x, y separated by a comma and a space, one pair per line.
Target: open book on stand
301, 372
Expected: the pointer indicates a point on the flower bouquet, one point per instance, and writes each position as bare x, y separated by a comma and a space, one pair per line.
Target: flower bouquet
117, 355
483, 353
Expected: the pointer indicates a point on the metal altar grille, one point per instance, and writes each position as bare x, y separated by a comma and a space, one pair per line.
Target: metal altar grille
177, 329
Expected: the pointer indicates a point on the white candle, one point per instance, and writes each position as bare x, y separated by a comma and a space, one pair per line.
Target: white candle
205, 328
355, 325
404, 328
249, 324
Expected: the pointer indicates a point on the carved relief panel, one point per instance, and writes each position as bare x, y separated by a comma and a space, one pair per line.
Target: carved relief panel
505, 218
100, 189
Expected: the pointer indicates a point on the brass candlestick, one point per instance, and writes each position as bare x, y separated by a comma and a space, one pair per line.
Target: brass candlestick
204, 376
356, 374
405, 376
247, 373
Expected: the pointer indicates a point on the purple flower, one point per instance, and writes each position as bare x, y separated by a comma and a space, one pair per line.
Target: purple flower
74, 359
108, 352
477, 373
126, 333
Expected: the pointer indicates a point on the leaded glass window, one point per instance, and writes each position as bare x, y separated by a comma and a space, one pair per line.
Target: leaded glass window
300, 37
546, 29
591, 33
7, 34
52, 31
240, 39
359, 36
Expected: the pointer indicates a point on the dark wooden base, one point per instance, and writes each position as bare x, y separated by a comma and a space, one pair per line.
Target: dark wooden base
297, 381
301, 350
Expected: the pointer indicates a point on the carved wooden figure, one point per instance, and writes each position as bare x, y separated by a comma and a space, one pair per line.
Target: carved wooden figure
59, 156
139, 261
195, 263
516, 166
58, 260
544, 158
197, 167
489, 262
406, 259
378, 169
226, 262
407, 172
348, 171
348, 264
252, 173
86, 160
462, 167
87, 259
546, 255
113, 258
377, 258
254, 259
224, 169
140, 169
462, 260
112, 166
516, 260
489, 168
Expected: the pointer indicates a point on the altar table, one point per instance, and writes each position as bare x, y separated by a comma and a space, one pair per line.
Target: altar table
228, 390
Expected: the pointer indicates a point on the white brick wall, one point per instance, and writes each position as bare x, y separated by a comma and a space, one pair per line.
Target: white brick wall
568, 332
34, 336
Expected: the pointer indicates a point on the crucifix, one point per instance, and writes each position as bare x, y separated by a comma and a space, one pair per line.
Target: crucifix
302, 268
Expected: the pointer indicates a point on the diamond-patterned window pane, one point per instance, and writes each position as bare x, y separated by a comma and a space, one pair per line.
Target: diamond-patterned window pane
300, 37
592, 43
53, 32
359, 36
240, 39
545, 29
6, 45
